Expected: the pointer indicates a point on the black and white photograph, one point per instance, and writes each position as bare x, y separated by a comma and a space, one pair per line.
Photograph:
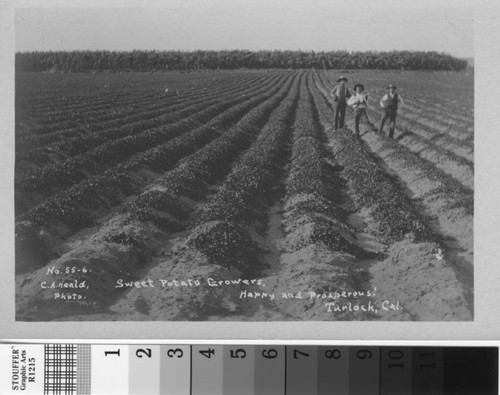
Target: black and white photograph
247, 163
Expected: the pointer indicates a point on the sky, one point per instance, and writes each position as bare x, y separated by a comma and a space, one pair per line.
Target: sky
213, 25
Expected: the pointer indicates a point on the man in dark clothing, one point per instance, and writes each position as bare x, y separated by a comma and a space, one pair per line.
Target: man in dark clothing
391, 102
340, 94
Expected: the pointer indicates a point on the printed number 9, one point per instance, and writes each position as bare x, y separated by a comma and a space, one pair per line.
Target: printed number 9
364, 354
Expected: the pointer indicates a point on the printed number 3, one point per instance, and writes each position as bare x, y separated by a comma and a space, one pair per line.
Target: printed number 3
171, 353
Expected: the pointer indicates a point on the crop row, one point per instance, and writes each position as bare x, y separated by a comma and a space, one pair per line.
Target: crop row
456, 193
462, 112
91, 139
160, 203
97, 108
452, 157
311, 215
447, 161
154, 116
211, 163
446, 117
442, 137
241, 203
81, 110
372, 187
434, 92
458, 147
71, 92
430, 129
452, 171
77, 168
73, 206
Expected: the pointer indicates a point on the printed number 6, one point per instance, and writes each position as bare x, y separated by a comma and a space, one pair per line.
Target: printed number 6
270, 354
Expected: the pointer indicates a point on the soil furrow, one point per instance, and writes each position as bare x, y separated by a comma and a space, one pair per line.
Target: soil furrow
143, 238
124, 119
54, 179
381, 202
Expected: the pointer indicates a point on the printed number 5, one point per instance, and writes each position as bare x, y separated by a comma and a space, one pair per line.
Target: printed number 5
239, 353
171, 353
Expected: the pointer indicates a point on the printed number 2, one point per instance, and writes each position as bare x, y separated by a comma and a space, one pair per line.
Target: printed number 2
141, 352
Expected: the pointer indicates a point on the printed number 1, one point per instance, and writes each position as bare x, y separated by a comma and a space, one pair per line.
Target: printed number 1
117, 352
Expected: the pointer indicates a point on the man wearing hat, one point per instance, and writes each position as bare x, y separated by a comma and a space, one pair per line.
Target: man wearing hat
359, 101
390, 102
340, 94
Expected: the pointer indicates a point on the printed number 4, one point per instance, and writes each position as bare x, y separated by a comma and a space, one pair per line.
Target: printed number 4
207, 353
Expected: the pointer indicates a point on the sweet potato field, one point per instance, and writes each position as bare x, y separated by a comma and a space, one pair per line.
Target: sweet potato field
228, 196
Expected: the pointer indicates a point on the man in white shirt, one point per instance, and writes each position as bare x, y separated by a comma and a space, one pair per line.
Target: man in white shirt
391, 102
358, 101
340, 94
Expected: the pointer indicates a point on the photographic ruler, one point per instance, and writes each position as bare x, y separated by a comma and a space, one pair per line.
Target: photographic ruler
254, 369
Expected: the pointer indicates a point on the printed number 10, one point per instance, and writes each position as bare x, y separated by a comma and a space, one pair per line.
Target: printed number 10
396, 355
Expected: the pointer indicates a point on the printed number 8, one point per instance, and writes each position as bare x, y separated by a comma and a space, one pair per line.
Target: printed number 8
333, 354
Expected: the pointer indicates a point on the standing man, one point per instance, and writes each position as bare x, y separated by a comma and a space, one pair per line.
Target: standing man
391, 102
340, 94
359, 101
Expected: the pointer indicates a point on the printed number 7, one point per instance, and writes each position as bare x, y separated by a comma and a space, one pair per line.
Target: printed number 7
296, 354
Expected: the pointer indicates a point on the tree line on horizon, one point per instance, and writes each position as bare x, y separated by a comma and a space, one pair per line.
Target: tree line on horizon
139, 60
